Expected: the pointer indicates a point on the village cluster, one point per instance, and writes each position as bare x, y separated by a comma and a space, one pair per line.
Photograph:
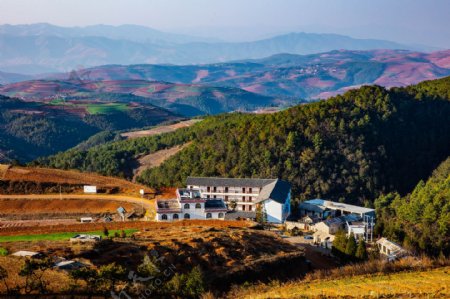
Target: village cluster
210, 198
229, 198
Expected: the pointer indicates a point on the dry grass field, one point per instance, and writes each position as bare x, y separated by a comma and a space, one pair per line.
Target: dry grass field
3, 169
142, 226
157, 158
65, 206
160, 129
45, 175
434, 283
224, 250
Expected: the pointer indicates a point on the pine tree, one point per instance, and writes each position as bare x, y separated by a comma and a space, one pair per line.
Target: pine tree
361, 251
339, 244
195, 285
350, 249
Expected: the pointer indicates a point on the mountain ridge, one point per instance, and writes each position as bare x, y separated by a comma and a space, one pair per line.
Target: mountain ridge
111, 45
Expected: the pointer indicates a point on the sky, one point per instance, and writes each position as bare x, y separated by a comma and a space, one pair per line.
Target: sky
425, 22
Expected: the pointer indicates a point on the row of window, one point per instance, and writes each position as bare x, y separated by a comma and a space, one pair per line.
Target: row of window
187, 206
187, 216
226, 190
249, 208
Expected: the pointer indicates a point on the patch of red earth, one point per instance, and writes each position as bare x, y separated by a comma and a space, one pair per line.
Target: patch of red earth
317, 82
328, 94
406, 74
63, 110
231, 73
440, 58
267, 76
200, 75
218, 94
40, 88
256, 88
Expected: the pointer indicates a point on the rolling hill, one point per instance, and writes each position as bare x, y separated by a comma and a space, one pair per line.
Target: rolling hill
299, 76
43, 48
353, 147
183, 99
29, 129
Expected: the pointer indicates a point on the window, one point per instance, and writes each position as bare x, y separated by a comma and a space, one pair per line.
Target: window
249, 208
243, 207
215, 189
175, 216
198, 206
207, 196
226, 189
164, 217
243, 198
208, 215
215, 196
250, 190
187, 216
226, 198
243, 190
186, 206
220, 215
208, 189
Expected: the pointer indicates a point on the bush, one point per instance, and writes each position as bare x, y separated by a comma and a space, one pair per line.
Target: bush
3, 251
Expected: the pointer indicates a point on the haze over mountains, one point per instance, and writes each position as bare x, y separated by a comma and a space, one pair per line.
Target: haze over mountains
43, 48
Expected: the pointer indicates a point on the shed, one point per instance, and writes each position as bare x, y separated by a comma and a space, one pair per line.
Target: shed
25, 253
390, 250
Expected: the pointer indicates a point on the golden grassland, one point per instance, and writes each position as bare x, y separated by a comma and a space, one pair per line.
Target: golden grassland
69, 177
434, 283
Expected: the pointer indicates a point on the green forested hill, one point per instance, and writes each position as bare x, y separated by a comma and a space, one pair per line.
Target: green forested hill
352, 147
421, 220
32, 129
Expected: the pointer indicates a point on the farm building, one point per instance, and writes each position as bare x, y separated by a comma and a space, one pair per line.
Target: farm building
30, 254
326, 218
243, 195
390, 250
325, 208
83, 238
69, 265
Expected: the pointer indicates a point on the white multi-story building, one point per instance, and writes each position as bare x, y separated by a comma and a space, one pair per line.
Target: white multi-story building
243, 195
189, 204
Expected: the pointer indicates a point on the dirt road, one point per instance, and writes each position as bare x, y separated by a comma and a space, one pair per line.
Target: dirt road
160, 129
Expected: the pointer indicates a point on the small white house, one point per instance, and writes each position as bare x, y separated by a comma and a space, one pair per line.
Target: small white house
25, 253
390, 250
84, 238
90, 189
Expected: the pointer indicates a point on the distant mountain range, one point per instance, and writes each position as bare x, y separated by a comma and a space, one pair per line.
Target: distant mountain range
287, 75
44, 48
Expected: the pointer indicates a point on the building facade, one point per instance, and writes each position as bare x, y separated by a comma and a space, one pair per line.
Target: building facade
243, 195
189, 205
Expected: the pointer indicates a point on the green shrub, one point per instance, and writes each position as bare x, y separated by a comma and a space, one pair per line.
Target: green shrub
3, 251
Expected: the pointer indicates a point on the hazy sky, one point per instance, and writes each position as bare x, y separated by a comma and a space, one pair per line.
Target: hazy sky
411, 21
